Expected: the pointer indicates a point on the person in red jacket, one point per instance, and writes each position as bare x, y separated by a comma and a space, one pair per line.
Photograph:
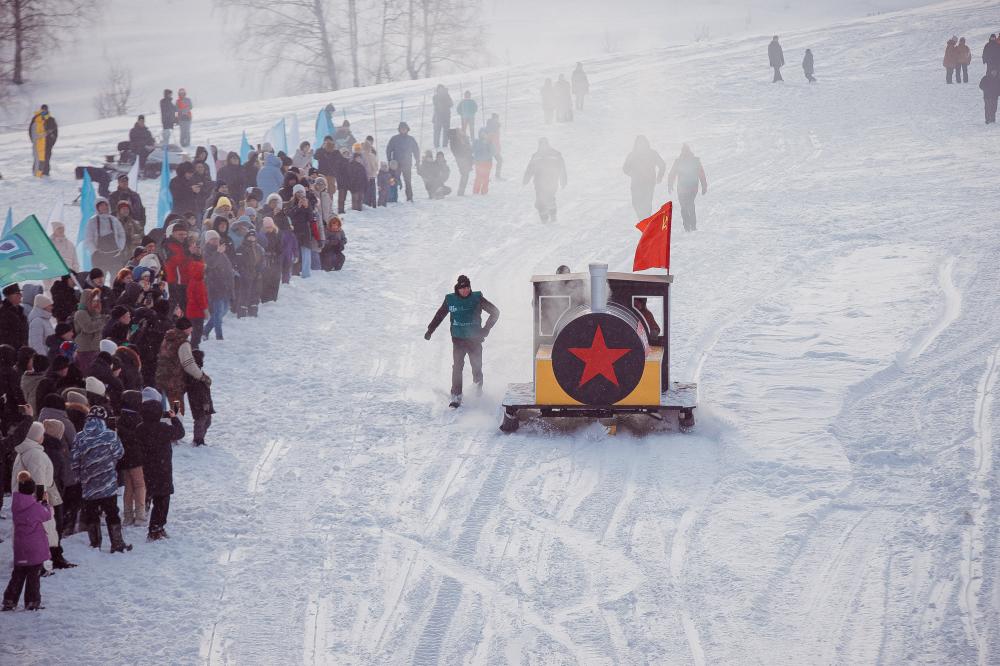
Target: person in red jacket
197, 294
175, 262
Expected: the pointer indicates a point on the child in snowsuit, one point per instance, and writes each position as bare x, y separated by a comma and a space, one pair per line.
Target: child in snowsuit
31, 545
393, 181
384, 183
333, 251
200, 399
158, 462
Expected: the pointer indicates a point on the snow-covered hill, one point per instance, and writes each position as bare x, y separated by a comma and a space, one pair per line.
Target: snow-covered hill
838, 306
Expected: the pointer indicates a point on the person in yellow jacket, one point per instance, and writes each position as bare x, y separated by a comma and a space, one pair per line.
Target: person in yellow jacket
43, 132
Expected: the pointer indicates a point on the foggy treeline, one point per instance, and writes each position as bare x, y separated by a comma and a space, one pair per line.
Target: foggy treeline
30, 30
332, 44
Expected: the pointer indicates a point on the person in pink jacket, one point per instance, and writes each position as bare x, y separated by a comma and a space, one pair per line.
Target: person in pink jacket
31, 545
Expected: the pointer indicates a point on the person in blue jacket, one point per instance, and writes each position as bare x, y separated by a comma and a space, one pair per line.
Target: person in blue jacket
269, 178
467, 333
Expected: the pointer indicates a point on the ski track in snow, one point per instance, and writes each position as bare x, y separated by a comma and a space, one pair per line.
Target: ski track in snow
833, 504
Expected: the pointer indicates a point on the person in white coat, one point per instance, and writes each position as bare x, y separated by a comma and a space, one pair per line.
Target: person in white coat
40, 325
31, 456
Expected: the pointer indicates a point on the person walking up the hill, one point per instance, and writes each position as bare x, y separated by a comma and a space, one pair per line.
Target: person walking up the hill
808, 67
43, 131
776, 57
963, 58
687, 173
467, 333
168, 114
184, 106
581, 85
564, 100
548, 170
951, 58
990, 85
646, 168
462, 151
548, 101
442, 116
991, 54
404, 150
482, 156
467, 110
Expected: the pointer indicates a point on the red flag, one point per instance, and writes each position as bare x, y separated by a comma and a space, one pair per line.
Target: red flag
653, 250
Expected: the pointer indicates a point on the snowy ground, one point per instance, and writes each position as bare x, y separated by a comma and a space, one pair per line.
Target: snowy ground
838, 307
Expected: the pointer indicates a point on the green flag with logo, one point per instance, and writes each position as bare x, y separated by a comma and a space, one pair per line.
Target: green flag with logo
26, 253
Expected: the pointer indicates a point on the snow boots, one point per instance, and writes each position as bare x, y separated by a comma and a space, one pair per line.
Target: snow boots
58, 560
118, 544
456, 401
94, 532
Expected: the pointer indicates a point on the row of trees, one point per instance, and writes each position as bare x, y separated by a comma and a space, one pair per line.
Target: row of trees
32, 29
333, 44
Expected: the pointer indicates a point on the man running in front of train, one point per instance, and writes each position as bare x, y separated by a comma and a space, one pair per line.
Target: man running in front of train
467, 333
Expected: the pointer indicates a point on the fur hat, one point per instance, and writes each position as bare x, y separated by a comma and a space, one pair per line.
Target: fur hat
54, 428
36, 432
95, 386
223, 201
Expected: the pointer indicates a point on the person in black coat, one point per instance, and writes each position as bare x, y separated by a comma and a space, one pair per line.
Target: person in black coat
199, 396
404, 150
153, 326
13, 320
442, 116
776, 57
991, 54
808, 67
990, 85
130, 465
107, 369
646, 168
157, 440
354, 178
141, 141
168, 114
233, 175
328, 160
64, 298
185, 190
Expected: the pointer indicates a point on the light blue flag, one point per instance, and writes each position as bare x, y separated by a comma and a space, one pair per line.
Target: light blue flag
10, 221
88, 207
324, 128
27, 253
245, 149
166, 200
277, 137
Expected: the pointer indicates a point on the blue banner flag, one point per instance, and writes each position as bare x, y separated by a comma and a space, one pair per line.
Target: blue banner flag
9, 223
88, 201
27, 253
166, 200
245, 149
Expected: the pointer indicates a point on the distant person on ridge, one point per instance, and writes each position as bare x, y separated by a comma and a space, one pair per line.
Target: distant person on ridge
548, 101
581, 85
776, 57
43, 132
168, 114
404, 150
467, 333
467, 110
564, 100
687, 173
807, 66
184, 106
442, 116
990, 85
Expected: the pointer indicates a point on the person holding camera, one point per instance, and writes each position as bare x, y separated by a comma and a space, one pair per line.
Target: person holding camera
157, 440
31, 513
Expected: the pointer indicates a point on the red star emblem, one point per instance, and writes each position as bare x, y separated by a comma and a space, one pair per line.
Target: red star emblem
598, 359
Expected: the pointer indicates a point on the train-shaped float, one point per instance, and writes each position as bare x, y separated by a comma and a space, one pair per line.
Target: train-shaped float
599, 351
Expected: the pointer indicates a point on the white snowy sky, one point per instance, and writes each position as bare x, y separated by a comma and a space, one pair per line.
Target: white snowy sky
185, 43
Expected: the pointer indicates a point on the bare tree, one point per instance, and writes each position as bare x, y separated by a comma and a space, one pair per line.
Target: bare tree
31, 28
116, 94
298, 33
442, 32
